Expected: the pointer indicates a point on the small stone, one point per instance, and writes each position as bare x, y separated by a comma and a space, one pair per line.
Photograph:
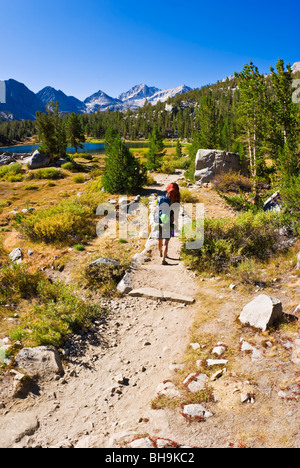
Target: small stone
195, 346
196, 412
216, 362
247, 398
217, 375
15, 255
198, 384
219, 350
168, 389
141, 444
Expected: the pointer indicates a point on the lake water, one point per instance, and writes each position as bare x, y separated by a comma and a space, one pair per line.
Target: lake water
87, 148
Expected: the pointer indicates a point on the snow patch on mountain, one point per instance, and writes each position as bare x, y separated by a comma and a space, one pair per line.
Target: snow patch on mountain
138, 93
296, 67
100, 101
132, 99
164, 95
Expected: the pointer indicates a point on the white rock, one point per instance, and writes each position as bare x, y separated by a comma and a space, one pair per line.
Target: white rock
189, 377
195, 346
298, 261
43, 361
196, 411
219, 350
15, 255
141, 443
168, 389
198, 384
256, 353
263, 312
216, 362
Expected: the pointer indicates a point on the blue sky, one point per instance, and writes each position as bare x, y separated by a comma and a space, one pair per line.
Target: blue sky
81, 46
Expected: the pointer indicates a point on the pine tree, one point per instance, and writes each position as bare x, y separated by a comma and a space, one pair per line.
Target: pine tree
284, 123
252, 118
51, 132
46, 134
208, 119
74, 131
178, 150
123, 174
156, 150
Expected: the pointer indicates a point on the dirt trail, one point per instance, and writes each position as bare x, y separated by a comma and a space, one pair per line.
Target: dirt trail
89, 406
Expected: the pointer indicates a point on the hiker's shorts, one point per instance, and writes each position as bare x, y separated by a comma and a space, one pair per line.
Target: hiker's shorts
166, 233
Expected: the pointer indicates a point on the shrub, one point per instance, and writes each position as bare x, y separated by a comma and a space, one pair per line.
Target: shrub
104, 277
232, 182
4, 204
79, 179
79, 247
31, 187
187, 196
16, 281
12, 173
14, 178
57, 313
86, 156
59, 223
239, 202
230, 241
69, 166
49, 173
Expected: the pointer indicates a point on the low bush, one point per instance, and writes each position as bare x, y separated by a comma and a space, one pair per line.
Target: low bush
59, 313
4, 204
12, 173
104, 278
79, 179
69, 166
60, 223
239, 202
16, 282
30, 187
187, 196
170, 165
228, 242
49, 173
79, 247
53, 310
232, 182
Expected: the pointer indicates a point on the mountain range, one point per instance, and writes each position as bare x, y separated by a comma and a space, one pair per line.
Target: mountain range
22, 103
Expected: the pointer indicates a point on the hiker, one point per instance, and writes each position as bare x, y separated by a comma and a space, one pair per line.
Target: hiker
166, 219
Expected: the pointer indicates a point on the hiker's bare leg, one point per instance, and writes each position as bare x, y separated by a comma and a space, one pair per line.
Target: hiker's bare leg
160, 247
166, 249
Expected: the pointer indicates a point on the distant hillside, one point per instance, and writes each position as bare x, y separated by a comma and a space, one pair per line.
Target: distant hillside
66, 103
21, 103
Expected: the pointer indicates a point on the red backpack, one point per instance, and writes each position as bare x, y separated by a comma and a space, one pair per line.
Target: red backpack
173, 193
